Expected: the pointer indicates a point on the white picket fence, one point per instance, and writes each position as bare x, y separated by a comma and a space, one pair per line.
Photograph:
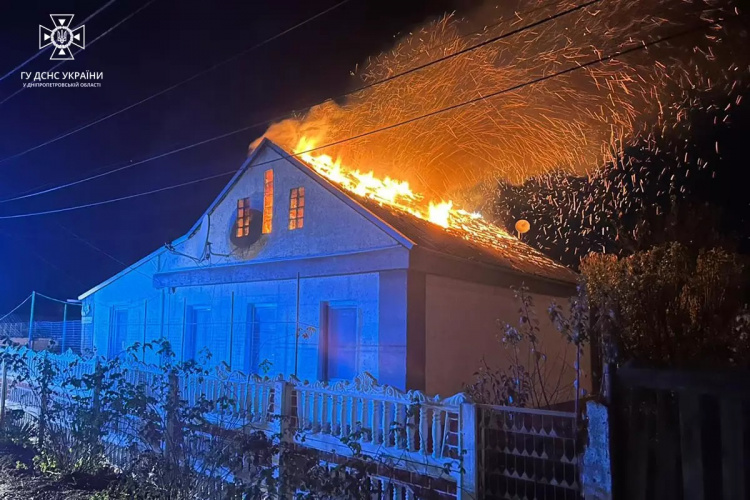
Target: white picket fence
430, 438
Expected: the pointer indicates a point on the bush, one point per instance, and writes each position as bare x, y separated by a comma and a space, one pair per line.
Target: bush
16, 430
136, 431
669, 306
529, 379
182, 447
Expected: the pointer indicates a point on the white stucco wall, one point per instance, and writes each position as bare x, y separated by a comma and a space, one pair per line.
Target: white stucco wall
332, 228
357, 290
133, 292
463, 325
330, 225
229, 324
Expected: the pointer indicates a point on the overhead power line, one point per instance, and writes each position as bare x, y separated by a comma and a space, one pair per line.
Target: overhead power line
291, 113
535, 81
15, 308
176, 85
42, 188
39, 53
96, 248
52, 298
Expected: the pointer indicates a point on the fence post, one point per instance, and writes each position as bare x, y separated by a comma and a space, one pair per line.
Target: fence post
282, 406
469, 449
145, 329
617, 449
282, 410
31, 322
172, 443
98, 379
63, 341
3, 392
231, 331
45, 374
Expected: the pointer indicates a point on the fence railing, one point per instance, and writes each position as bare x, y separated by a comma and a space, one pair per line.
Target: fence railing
454, 446
63, 335
406, 424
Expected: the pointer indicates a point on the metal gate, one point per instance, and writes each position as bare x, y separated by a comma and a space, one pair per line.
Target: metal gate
527, 454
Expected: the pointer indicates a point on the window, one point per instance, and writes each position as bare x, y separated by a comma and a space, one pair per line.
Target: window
341, 352
118, 332
197, 332
297, 208
243, 217
267, 201
261, 330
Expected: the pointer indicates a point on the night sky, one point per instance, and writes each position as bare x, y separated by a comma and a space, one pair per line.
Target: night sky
165, 43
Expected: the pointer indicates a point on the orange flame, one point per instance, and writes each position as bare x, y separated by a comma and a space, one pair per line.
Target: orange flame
395, 193
399, 195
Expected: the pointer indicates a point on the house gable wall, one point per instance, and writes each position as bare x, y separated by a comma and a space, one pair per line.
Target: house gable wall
132, 292
338, 255
331, 226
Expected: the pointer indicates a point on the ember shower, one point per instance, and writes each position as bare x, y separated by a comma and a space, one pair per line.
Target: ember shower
572, 122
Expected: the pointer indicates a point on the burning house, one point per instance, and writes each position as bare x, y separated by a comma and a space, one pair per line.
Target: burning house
303, 267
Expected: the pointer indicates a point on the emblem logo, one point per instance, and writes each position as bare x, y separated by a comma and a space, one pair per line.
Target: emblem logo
62, 37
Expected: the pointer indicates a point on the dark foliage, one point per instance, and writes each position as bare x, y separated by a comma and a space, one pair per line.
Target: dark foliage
685, 182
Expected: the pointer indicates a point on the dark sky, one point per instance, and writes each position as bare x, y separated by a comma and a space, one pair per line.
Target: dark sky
164, 44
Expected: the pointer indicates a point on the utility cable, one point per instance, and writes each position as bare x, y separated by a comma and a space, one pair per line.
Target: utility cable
293, 112
599, 60
16, 308
172, 87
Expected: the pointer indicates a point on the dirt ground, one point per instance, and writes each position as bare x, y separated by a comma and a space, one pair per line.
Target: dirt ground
20, 484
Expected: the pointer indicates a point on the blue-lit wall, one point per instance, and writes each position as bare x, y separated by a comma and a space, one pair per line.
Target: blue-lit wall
333, 232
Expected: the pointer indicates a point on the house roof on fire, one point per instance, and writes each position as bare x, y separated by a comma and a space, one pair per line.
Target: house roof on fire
506, 252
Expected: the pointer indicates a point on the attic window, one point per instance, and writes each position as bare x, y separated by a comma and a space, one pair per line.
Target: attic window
243, 217
267, 201
297, 208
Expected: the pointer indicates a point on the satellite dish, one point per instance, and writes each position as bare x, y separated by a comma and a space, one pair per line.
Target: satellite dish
522, 226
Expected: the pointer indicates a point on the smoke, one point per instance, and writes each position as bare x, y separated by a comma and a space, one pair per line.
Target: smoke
573, 122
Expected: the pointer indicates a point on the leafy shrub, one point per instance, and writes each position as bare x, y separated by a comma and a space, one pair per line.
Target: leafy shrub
505, 387
669, 306
529, 379
174, 444
16, 430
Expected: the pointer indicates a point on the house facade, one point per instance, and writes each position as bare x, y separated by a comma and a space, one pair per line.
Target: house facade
286, 273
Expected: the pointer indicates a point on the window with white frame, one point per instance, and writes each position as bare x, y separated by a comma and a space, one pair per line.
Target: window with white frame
297, 208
